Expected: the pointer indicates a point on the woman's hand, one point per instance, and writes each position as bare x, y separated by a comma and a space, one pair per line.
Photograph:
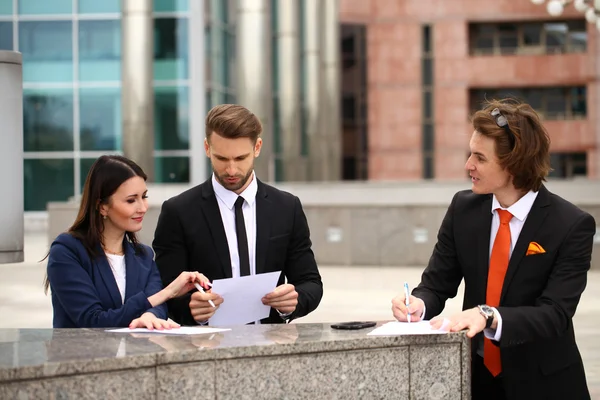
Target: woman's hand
185, 283
151, 322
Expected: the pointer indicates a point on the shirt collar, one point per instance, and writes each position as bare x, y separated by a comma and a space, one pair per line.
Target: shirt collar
228, 197
521, 208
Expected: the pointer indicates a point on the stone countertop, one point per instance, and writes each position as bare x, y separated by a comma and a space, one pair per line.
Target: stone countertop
43, 353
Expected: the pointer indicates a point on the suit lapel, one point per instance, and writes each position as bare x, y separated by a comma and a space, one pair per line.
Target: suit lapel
482, 231
263, 226
132, 270
210, 208
534, 221
108, 277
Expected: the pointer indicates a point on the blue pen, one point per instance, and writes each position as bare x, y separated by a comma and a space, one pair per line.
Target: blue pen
406, 299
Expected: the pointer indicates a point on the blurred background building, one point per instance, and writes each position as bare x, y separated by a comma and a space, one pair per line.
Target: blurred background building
347, 89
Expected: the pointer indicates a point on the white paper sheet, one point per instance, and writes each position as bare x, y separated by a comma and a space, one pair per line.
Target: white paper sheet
183, 330
405, 328
242, 298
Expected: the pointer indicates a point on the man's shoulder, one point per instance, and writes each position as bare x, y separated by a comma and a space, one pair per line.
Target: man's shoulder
188, 196
467, 198
275, 194
565, 209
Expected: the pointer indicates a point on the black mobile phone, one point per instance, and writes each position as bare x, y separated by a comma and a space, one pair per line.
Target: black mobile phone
353, 325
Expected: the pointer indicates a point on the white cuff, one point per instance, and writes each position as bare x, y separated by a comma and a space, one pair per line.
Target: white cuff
494, 334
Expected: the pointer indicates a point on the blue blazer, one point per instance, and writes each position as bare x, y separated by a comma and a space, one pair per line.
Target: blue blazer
84, 290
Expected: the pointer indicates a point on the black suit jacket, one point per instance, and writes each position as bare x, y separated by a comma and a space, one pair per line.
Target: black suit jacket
190, 237
539, 296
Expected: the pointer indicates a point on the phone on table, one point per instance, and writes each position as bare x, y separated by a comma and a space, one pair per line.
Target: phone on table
353, 325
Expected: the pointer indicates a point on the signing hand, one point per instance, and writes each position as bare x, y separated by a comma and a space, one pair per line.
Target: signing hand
415, 308
469, 319
151, 322
200, 308
284, 298
185, 282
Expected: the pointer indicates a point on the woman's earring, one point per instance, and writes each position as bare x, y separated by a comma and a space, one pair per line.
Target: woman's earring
104, 217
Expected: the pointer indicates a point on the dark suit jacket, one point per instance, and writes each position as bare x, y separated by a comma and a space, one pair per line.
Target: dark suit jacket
190, 237
539, 296
84, 290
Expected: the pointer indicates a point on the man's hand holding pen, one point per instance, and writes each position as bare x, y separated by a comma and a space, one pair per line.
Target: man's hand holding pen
401, 311
203, 304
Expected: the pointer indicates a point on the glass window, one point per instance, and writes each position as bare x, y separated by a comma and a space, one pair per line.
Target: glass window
170, 48
532, 34
100, 50
84, 167
6, 7
45, 7
170, 5
96, 6
556, 36
578, 101
100, 111
172, 169
47, 180
427, 72
47, 48
171, 118
48, 119
6, 35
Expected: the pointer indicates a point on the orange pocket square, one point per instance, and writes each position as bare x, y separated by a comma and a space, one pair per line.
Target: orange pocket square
534, 248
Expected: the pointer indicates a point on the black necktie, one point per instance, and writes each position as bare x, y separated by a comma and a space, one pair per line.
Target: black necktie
242, 239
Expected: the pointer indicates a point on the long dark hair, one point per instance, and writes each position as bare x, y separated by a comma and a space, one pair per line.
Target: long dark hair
104, 178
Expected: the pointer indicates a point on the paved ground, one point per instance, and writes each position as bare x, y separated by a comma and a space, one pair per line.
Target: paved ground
351, 293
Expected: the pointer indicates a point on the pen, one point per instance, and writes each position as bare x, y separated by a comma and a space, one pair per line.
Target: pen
406, 301
201, 289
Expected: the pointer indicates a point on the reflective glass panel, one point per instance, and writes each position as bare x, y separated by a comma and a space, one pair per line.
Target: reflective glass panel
170, 48
171, 118
100, 50
6, 7
172, 169
35, 7
47, 180
48, 120
99, 6
47, 48
171, 5
100, 111
6, 35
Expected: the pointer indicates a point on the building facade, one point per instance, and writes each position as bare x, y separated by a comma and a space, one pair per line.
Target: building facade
346, 89
431, 63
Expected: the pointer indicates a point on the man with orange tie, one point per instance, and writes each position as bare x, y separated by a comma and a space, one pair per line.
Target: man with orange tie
524, 254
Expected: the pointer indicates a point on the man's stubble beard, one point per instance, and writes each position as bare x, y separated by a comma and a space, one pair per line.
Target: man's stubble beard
236, 186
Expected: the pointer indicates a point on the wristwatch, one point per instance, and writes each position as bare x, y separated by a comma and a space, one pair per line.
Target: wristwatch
488, 313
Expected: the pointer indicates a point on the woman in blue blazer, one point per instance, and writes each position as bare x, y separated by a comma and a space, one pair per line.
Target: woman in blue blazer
98, 273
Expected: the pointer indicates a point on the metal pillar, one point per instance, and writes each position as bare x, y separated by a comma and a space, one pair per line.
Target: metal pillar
11, 158
137, 74
253, 43
331, 92
288, 43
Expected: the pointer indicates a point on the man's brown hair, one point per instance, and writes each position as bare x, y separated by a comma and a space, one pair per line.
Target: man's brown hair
232, 121
522, 143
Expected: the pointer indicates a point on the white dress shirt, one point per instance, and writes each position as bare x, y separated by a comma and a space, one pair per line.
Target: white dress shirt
520, 211
226, 200
117, 265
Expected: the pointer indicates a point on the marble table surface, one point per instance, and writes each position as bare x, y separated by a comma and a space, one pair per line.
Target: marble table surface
42, 353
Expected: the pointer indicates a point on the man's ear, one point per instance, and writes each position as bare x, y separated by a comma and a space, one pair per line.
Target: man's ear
257, 147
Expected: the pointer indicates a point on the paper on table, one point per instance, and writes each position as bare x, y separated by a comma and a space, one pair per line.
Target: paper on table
242, 298
405, 328
183, 330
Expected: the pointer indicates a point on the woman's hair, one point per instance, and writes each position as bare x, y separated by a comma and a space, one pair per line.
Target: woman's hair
521, 141
104, 178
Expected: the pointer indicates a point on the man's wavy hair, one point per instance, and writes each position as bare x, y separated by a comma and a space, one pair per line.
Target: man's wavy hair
522, 143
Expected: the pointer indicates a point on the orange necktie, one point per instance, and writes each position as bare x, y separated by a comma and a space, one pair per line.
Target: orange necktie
497, 272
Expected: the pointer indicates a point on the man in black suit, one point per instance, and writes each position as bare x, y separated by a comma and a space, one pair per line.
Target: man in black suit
234, 225
524, 254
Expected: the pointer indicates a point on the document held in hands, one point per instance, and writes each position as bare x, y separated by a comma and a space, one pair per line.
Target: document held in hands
405, 328
242, 298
